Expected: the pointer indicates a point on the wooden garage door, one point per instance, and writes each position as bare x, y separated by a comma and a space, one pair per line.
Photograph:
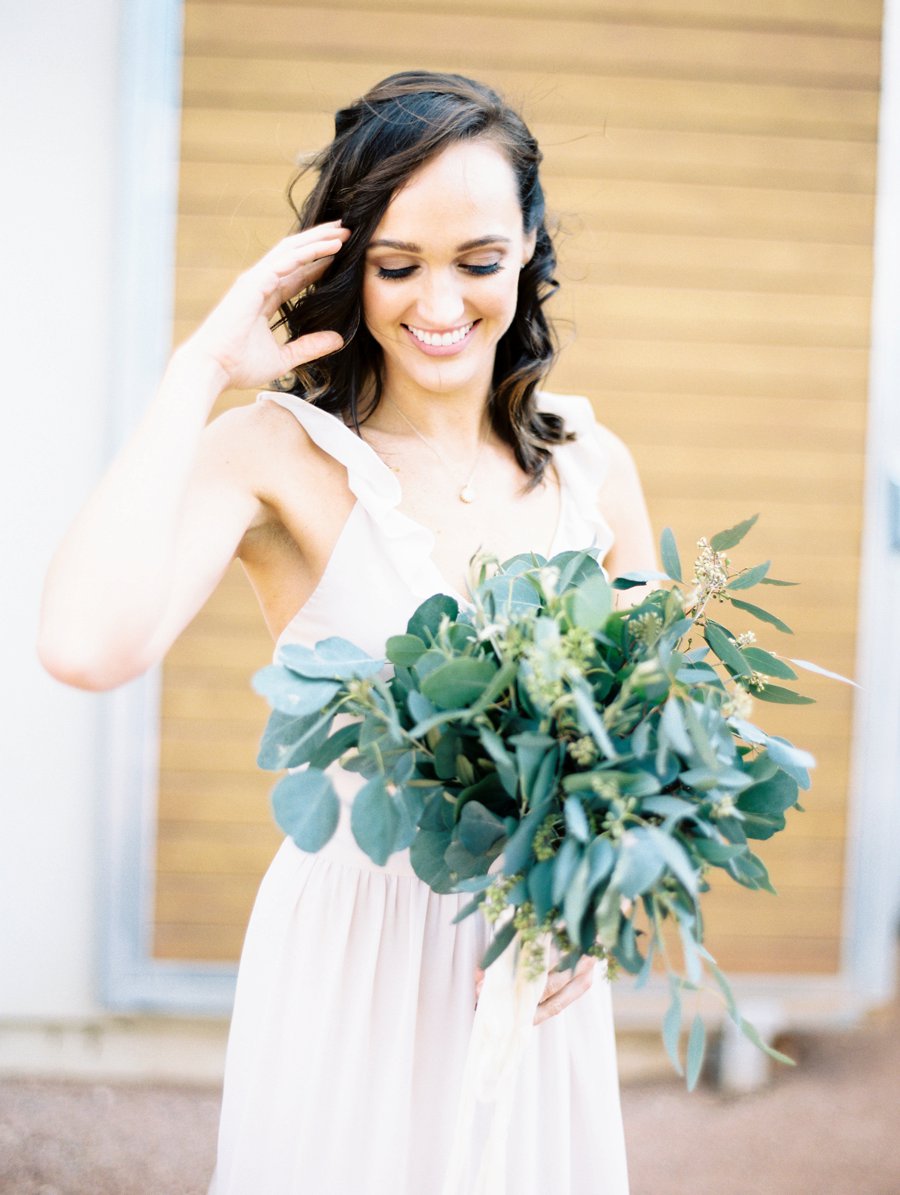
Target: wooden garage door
712, 165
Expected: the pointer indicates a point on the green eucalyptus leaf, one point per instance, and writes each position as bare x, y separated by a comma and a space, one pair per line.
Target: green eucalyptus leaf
766, 663
291, 694
762, 615
496, 749
472, 907
405, 649
771, 797
480, 830
608, 917
540, 888
671, 808
458, 682
669, 554
674, 856
420, 708
464, 863
576, 898
671, 1028
576, 820
590, 719
375, 819
723, 540
626, 949
427, 618
330, 659
507, 596
601, 860
288, 742
591, 603
638, 577
696, 1047
725, 648
445, 753
822, 671
564, 867
749, 577
779, 695
426, 855
639, 865
574, 567
503, 680
700, 739
307, 808
718, 853
692, 964
530, 749
673, 724
501, 940
753, 1035
333, 748
517, 853
791, 759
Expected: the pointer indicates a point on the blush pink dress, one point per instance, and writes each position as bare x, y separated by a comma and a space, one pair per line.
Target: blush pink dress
355, 996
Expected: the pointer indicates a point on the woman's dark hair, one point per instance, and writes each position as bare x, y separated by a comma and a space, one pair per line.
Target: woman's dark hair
379, 142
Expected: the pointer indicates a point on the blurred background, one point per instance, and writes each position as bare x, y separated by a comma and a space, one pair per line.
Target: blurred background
725, 175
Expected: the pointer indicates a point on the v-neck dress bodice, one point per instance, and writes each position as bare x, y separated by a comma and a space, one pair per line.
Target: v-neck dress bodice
355, 996
382, 566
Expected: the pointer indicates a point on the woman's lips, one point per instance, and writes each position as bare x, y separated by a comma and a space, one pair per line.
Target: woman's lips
441, 349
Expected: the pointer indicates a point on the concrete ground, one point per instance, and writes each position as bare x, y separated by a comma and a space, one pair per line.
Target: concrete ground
830, 1126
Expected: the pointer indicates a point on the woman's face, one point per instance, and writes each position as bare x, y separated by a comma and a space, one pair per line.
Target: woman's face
442, 271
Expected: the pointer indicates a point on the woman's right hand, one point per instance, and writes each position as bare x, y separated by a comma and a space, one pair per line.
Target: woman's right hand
236, 336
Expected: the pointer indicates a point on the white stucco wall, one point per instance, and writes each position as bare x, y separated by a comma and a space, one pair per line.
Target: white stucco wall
58, 75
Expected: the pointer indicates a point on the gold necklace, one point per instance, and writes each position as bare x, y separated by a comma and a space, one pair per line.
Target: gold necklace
467, 492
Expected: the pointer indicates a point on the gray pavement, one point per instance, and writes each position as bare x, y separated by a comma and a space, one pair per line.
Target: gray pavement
830, 1126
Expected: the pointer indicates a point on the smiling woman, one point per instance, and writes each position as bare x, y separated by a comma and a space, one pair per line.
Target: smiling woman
411, 295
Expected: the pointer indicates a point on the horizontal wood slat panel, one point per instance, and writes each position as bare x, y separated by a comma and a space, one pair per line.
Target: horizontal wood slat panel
862, 17
490, 43
701, 104
590, 146
711, 167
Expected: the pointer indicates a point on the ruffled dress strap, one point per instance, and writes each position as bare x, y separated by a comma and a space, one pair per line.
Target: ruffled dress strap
582, 465
407, 544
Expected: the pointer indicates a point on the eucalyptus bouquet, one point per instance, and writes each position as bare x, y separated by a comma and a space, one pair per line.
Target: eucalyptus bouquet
579, 770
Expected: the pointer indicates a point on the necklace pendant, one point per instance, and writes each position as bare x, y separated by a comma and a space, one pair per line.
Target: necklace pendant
467, 493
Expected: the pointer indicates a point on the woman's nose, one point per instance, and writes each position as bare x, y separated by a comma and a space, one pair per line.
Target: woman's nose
441, 302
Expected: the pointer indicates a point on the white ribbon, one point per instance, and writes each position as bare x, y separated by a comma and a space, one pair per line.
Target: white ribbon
504, 1020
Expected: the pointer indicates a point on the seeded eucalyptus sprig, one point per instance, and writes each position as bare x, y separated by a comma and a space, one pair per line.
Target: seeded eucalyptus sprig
580, 770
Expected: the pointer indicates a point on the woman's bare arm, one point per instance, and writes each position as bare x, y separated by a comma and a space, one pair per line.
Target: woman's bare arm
153, 539
625, 509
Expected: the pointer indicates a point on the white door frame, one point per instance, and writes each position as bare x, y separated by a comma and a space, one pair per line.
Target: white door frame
873, 857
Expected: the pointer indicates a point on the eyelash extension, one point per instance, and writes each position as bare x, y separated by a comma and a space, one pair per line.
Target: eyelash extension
405, 271
493, 268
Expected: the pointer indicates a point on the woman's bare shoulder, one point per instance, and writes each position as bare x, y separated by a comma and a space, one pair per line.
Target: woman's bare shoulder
258, 442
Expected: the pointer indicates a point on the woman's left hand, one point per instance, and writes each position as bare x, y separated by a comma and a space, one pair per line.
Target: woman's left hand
563, 987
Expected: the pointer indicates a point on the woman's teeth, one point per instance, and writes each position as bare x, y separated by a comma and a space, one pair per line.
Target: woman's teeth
441, 338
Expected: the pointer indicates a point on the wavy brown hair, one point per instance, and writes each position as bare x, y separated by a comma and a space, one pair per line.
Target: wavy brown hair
379, 141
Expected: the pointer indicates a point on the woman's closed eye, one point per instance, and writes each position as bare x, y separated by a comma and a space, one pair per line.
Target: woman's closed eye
478, 270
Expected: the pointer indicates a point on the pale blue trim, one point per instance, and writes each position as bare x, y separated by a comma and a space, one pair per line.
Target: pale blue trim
146, 209
873, 860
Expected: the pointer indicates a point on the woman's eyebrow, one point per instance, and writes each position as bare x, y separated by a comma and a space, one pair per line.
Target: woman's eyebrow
409, 247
